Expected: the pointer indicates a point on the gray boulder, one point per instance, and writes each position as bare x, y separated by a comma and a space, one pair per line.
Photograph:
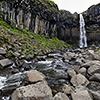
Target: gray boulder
82, 71
61, 96
81, 94
94, 69
67, 89
34, 76
71, 72
2, 51
79, 79
95, 77
5, 63
38, 91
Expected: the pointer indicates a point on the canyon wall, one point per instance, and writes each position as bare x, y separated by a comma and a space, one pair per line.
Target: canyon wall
92, 20
44, 17
41, 17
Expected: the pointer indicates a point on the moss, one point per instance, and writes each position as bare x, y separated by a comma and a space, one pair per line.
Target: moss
10, 35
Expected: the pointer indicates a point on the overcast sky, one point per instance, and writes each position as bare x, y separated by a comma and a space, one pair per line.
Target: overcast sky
75, 5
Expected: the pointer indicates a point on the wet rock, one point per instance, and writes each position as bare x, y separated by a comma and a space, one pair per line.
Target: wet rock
61, 96
67, 89
38, 91
95, 77
50, 55
22, 57
15, 71
79, 79
71, 72
82, 71
94, 69
2, 51
5, 63
34, 76
29, 57
81, 94
41, 58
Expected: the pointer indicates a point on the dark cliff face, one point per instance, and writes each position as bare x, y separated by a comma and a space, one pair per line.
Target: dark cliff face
92, 20
39, 16
44, 17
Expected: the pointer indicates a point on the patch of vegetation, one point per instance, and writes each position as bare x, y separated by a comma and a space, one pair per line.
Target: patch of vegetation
9, 54
19, 39
47, 4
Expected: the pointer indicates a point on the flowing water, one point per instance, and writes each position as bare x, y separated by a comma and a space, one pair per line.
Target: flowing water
54, 68
83, 38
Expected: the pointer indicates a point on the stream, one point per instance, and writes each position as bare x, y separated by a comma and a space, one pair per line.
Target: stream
53, 67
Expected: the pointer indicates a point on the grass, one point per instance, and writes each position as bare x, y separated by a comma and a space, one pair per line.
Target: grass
20, 41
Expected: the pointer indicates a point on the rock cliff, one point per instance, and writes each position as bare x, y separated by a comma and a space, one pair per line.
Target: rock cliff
39, 16
44, 17
92, 19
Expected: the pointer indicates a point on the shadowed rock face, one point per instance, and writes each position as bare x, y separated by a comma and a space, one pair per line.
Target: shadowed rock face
40, 16
92, 19
44, 17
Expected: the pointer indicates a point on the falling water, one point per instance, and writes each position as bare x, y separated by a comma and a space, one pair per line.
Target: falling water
83, 38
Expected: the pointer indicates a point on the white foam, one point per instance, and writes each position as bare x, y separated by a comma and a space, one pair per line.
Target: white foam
2, 81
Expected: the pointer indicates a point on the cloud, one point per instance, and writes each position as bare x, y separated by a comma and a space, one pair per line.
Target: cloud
75, 5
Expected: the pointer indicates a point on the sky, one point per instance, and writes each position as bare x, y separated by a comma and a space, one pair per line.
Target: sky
75, 5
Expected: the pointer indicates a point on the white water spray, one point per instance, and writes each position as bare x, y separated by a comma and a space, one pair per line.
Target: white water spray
83, 38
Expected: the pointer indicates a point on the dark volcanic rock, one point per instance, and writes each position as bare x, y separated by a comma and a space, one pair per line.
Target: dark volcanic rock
40, 16
5, 63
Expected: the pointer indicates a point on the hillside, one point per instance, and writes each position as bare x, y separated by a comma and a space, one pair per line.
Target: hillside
26, 42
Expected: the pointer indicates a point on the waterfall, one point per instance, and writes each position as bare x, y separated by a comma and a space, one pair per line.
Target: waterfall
83, 38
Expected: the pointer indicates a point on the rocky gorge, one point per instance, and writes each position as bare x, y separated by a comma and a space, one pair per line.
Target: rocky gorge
73, 74
39, 66
44, 17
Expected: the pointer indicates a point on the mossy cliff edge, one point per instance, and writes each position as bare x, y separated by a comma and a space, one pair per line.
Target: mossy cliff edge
44, 17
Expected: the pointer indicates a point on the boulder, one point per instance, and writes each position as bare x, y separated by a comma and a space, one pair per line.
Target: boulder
82, 71
67, 89
38, 91
78, 61
71, 55
2, 51
90, 54
16, 54
90, 63
34, 76
94, 69
97, 55
76, 68
94, 90
71, 72
5, 63
61, 96
79, 79
95, 94
81, 94
95, 77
